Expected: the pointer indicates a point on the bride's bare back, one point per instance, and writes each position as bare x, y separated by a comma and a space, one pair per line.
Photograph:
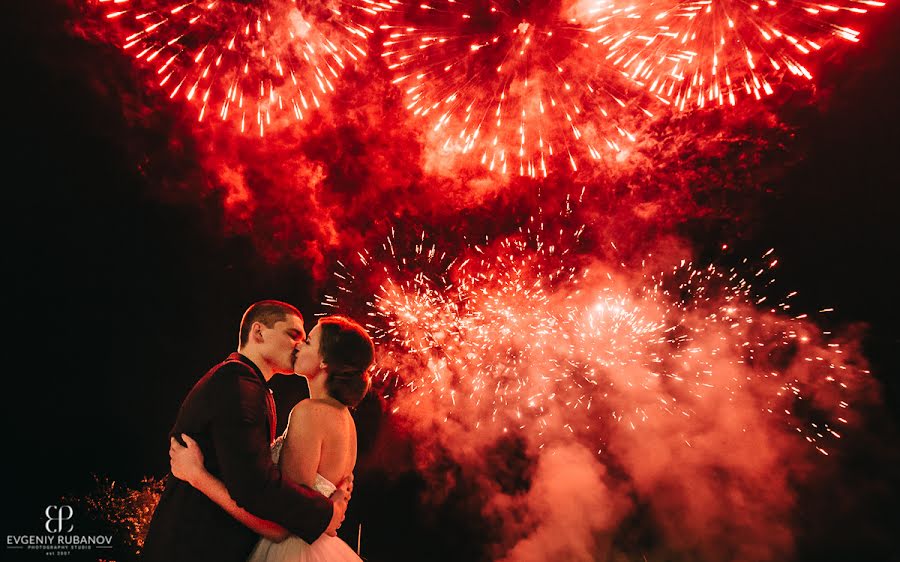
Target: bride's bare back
321, 438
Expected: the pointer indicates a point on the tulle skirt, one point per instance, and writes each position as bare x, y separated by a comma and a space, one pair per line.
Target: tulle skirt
294, 549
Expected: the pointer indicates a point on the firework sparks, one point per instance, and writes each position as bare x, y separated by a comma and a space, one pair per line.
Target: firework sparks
514, 84
698, 53
255, 64
128, 510
517, 335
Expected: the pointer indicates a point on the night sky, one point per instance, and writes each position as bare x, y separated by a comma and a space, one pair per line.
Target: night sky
124, 286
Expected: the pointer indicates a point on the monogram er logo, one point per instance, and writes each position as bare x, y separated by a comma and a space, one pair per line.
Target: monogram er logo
54, 523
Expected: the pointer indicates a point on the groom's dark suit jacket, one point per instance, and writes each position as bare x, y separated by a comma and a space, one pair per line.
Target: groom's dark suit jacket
230, 414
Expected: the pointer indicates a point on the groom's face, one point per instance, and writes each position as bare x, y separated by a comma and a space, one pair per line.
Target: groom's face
281, 340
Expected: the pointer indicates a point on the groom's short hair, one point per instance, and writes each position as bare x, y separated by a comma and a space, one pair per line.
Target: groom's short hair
267, 313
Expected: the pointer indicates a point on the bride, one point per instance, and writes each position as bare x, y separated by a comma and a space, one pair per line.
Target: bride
318, 447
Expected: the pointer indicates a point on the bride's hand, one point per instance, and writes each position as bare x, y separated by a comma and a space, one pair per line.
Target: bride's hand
186, 462
346, 484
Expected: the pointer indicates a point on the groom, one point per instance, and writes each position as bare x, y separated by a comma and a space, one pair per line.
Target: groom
231, 414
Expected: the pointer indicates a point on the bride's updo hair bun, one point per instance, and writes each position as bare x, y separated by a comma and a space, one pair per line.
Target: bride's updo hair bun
348, 352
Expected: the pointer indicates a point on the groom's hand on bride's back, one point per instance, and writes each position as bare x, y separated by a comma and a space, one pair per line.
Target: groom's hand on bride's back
339, 500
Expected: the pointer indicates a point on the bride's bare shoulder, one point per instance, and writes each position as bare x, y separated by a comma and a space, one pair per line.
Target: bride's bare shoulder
312, 410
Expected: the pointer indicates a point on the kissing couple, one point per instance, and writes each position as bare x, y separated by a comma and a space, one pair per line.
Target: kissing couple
232, 481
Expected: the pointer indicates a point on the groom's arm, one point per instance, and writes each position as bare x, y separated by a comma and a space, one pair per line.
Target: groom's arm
240, 437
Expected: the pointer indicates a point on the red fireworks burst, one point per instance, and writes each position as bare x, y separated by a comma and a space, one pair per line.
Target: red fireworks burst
253, 63
696, 53
513, 83
518, 334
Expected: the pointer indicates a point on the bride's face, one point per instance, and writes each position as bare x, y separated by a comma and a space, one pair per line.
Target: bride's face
309, 360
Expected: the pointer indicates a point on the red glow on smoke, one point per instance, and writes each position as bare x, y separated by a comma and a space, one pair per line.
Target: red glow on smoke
706, 390
521, 334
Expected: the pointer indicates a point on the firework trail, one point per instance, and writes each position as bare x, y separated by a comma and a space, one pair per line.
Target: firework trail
698, 53
256, 64
513, 84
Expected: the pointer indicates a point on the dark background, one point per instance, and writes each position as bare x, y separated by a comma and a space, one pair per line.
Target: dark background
118, 298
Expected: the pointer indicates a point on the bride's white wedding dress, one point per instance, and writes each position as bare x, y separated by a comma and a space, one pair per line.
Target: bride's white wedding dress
295, 549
